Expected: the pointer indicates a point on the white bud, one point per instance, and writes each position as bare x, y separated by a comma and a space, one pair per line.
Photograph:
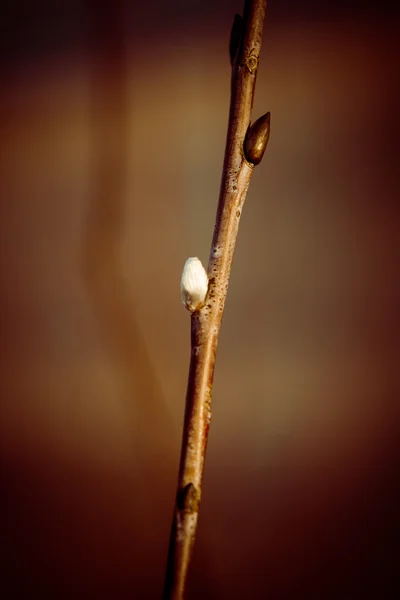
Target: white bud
194, 284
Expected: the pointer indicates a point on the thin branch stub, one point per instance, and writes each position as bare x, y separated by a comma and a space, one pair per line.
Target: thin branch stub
236, 36
257, 139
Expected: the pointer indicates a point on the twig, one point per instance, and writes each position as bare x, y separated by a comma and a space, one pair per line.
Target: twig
242, 152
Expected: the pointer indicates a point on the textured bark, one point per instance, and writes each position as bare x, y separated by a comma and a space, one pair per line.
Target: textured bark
244, 50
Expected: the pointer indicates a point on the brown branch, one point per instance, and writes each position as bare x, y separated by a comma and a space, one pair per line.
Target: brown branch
241, 154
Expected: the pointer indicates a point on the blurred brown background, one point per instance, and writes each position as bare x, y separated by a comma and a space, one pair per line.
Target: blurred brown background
113, 124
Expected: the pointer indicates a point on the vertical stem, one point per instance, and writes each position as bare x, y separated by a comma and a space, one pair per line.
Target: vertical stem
206, 322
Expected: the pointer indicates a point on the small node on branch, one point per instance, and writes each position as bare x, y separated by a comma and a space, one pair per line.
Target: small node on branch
257, 139
251, 62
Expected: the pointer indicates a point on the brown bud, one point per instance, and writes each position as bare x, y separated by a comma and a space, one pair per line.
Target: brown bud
257, 139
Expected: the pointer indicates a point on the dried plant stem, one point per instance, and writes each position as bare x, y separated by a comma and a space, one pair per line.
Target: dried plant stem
206, 322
